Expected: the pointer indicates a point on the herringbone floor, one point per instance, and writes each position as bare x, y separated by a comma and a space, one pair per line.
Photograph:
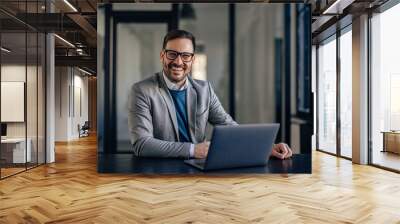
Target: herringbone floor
71, 191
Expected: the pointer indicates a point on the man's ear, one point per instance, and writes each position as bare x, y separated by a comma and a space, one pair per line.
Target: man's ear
161, 55
194, 58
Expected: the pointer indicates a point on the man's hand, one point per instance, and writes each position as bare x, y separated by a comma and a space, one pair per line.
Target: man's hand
201, 150
281, 151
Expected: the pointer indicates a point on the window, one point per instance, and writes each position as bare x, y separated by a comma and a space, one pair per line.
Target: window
346, 93
385, 88
327, 96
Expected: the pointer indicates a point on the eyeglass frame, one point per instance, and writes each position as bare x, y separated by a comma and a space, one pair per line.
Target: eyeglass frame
178, 54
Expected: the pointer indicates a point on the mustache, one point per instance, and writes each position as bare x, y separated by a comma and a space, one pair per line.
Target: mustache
171, 65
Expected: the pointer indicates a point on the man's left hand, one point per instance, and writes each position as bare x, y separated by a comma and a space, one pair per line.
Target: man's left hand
281, 151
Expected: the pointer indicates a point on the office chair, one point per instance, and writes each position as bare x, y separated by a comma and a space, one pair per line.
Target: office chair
84, 130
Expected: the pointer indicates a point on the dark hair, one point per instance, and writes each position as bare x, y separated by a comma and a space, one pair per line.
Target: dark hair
174, 34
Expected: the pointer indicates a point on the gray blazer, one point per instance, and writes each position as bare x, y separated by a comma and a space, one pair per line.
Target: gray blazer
152, 118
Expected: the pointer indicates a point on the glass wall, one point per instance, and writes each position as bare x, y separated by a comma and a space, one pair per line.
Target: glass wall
385, 88
22, 91
345, 58
327, 95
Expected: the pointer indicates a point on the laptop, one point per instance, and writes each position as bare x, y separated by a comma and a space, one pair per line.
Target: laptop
238, 146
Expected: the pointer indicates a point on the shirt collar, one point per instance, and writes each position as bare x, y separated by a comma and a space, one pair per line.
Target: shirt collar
174, 86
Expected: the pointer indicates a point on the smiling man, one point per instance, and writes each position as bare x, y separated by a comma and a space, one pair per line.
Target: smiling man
169, 111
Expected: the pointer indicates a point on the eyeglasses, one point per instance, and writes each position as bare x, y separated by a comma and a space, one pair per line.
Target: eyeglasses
172, 55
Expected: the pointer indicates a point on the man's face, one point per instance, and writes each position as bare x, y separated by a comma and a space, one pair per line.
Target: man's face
177, 69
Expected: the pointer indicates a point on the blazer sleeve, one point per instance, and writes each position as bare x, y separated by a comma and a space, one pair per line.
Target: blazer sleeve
141, 130
217, 114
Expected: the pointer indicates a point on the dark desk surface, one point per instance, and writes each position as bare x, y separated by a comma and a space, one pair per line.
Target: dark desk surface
128, 163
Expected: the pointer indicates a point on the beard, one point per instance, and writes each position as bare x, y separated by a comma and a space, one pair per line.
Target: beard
176, 73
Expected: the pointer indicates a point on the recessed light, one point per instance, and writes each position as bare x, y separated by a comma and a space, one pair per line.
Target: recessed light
5, 50
70, 5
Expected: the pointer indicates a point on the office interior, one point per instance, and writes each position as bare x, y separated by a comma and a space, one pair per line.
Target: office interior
50, 95
252, 92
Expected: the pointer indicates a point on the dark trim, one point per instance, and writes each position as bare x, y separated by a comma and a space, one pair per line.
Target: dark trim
37, 95
26, 91
330, 31
142, 16
45, 96
287, 75
333, 154
338, 95
317, 96
73, 91
113, 90
278, 84
385, 168
387, 5
369, 96
232, 52
103, 138
174, 23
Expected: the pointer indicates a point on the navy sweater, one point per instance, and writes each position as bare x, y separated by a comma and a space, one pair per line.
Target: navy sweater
179, 97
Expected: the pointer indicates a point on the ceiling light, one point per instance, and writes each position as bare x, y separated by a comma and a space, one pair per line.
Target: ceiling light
5, 50
337, 7
64, 40
70, 5
84, 71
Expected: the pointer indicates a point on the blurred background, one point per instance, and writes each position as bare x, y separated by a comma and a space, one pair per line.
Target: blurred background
256, 56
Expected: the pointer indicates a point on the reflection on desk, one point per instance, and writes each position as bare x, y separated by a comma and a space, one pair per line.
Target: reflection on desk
128, 163
13, 150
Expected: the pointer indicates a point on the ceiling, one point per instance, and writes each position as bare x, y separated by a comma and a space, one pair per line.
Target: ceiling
73, 20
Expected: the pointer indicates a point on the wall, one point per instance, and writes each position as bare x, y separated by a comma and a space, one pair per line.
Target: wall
71, 102
255, 96
12, 73
33, 127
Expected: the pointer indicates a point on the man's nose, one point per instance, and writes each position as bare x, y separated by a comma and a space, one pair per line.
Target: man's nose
178, 60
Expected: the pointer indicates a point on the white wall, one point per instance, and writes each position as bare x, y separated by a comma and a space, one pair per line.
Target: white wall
70, 83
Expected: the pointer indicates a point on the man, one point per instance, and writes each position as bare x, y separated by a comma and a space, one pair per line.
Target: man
169, 111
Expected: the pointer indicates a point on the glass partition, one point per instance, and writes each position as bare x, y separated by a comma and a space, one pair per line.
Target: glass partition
385, 89
22, 87
327, 96
14, 153
346, 93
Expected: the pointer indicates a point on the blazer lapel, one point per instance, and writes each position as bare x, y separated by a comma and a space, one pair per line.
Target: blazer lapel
169, 102
191, 106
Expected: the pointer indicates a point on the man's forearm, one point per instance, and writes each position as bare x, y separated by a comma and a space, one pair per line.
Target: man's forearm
152, 147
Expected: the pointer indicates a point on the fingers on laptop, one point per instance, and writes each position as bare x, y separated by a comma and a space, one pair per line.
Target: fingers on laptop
282, 151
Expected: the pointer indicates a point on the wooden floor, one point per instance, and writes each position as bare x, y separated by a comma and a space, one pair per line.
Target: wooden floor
71, 191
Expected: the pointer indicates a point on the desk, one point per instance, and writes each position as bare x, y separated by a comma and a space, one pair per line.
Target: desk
128, 163
13, 150
391, 141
